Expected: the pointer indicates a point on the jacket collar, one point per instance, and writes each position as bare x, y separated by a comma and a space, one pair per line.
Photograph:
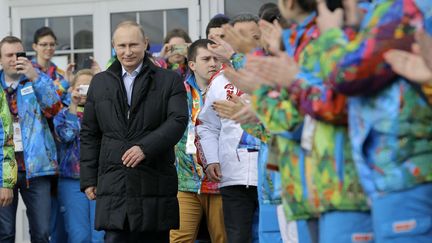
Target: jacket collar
117, 69
22, 79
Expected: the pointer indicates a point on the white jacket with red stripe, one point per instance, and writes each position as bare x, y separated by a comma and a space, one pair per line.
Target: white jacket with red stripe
220, 138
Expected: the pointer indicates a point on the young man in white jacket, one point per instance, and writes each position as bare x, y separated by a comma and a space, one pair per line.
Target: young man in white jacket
231, 156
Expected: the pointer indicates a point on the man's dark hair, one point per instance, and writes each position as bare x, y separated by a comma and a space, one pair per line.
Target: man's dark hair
177, 33
245, 17
271, 14
193, 48
265, 7
10, 40
42, 32
310, 5
216, 22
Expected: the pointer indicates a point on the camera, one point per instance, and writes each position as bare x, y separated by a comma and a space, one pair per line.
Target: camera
180, 49
21, 54
83, 89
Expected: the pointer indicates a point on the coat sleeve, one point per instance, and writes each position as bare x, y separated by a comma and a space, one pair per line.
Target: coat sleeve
62, 86
46, 95
90, 141
318, 99
276, 110
66, 126
8, 166
210, 125
357, 67
170, 132
257, 130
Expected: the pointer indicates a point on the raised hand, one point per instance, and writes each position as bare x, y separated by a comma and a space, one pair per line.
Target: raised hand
271, 35
409, 65
240, 41
327, 19
278, 70
221, 49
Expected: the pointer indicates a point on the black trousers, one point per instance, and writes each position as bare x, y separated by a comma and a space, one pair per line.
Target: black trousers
122, 236
126, 236
239, 206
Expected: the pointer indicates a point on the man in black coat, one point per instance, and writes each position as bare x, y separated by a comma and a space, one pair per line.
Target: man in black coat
134, 115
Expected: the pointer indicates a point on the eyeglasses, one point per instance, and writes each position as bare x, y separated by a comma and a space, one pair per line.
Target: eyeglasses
47, 45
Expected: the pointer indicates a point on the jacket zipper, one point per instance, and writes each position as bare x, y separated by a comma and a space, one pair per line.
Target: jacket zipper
123, 89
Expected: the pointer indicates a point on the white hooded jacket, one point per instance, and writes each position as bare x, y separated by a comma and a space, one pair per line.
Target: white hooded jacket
220, 138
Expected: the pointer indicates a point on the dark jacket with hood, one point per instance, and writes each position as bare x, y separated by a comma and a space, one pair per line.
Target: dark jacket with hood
144, 196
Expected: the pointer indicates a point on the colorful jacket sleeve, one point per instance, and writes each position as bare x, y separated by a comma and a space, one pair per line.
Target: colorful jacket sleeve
161, 62
257, 130
276, 110
358, 67
238, 61
67, 126
62, 86
46, 95
8, 166
317, 99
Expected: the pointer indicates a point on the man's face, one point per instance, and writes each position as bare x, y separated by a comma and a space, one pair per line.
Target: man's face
251, 29
8, 57
216, 32
130, 46
205, 65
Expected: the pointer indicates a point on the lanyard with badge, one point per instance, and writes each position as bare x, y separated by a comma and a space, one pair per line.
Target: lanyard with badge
194, 95
11, 93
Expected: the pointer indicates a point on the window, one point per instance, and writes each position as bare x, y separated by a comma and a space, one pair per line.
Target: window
233, 8
155, 23
74, 37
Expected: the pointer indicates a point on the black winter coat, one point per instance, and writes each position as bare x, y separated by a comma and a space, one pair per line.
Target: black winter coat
145, 196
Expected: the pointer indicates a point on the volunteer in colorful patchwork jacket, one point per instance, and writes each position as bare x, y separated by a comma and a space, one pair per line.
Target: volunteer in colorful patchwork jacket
174, 52
8, 166
234, 166
297, 207
329, 171
197, 195
32, 98
389, 118
239, 110
79, 212
44, 44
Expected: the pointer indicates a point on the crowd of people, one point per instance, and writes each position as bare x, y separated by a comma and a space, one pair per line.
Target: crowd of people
307, 122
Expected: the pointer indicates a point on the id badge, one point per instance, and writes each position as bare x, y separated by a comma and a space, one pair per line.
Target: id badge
27, 90
17, 137
190, 143
309, 126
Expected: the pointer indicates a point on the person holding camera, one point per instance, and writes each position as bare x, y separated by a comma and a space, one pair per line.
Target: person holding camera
79, 211
32, 98
174, 52
44, 44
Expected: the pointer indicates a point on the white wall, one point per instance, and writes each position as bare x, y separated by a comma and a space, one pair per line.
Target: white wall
4, 18
101, 9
